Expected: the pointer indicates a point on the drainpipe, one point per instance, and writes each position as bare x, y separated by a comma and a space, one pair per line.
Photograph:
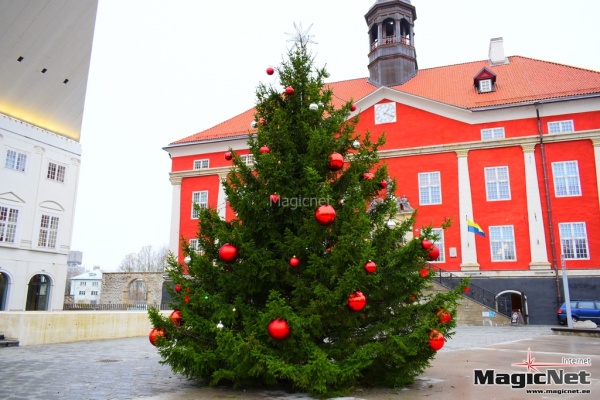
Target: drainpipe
548, 204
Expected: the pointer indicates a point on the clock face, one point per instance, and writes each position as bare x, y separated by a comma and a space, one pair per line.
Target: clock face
385, 112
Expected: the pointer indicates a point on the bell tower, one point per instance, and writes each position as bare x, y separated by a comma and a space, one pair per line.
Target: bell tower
392, 55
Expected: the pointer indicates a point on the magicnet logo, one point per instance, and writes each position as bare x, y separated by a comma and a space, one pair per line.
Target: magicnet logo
554, 375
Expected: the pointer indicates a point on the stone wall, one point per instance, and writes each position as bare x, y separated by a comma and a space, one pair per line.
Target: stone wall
115, 287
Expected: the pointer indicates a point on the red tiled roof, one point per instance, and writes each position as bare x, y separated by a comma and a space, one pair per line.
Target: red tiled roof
521, 80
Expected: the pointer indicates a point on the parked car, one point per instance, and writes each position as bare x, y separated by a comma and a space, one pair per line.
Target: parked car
581, 310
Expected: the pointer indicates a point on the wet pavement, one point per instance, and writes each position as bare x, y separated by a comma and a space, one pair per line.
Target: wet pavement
130, 369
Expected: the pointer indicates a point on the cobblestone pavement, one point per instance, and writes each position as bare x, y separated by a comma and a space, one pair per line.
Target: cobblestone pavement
129, 368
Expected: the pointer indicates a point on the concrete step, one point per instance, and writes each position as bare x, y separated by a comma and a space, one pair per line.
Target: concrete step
7, 342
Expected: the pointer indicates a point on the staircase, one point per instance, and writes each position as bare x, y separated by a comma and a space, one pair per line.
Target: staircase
7, 342
478, 306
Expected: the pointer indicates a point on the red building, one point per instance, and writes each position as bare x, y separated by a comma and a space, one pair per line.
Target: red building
511, 143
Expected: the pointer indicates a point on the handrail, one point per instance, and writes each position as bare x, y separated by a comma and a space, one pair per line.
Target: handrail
114, 307
475, 293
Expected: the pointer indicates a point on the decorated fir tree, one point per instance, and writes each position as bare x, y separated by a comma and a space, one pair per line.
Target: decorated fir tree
313, 285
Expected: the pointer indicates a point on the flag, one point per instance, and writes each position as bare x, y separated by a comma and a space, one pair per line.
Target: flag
473, 227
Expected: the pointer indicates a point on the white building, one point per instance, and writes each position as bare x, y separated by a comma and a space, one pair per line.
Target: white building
45, 50
87, 288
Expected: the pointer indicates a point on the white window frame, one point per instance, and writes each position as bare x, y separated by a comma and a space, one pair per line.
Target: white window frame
94, 293
48, 233
194, 244
439, 242
492, 133
565, 174
502, 244
427, 188
202, 164
485, 86
56, 172
561, 126
200, 198
248, 159
495, 182
573, 237
9, 224
84, 283
15, 160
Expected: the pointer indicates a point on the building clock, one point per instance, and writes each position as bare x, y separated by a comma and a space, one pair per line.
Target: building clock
385, 112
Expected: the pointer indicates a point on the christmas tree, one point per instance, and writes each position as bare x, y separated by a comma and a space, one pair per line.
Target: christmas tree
313, 285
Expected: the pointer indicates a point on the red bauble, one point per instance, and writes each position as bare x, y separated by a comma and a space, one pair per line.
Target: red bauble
412, 298
424, 272
434, 253
466, 290
264, 149
175, 318
368, 176
261, 121
228, 253
444, 317
178, 287
294, 262
228, 155
270, 71
186, 299
353, 107
383, 184
370, 267
357, 301
436, 340
289, 90
279, 329
274, 198
155, 334
325, 215
426, 244
336, 161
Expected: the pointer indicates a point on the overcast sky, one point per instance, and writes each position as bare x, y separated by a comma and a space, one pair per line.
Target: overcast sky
162, 70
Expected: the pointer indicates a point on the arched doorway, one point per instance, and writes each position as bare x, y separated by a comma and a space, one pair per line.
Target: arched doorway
518, 302
38, 293
138, 291
3, 291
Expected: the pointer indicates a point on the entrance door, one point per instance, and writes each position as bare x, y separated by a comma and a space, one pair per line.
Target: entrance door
3, 290
518, 303
38, 293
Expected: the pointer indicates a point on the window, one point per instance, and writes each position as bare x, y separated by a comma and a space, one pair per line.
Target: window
200, 198
566, 179
8, 224
15, 160
83, 283
485, 85
573, 240
248, 159
492, 133
430, 191
201, 164
94, 293
194, 244
82, 292
561, 126
94, 283
439, 242
56, 172
502, 241
48, 231
497, 185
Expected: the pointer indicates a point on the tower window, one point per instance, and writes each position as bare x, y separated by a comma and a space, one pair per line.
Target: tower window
485, 86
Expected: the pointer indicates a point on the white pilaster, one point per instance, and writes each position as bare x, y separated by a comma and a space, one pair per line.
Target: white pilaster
175, 215
465, 207
596, 143
537, 237
222, 198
